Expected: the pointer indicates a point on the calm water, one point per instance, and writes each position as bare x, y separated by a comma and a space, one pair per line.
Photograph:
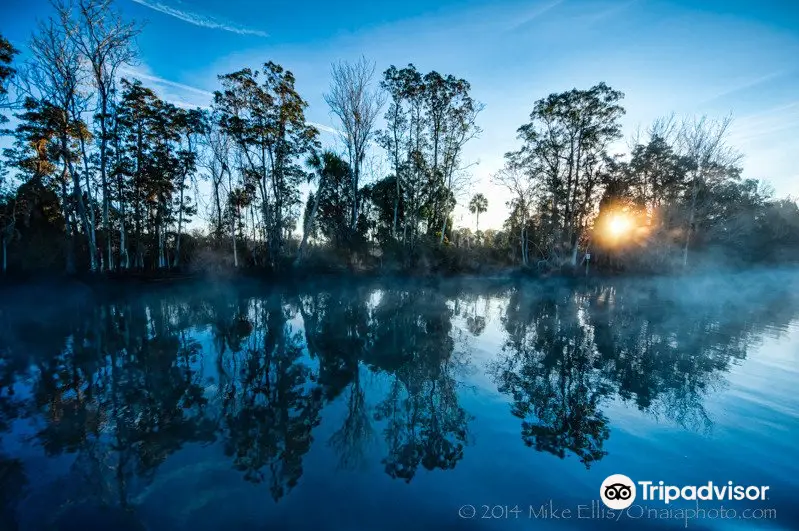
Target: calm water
397, 405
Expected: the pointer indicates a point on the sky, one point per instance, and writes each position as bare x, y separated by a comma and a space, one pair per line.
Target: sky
689, 57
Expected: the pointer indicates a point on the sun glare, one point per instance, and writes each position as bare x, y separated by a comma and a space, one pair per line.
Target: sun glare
619, 224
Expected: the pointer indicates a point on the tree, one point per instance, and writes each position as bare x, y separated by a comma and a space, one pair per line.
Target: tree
704, 143
327, 168
429, 121
356, 104
564, 150
35, 156
106, 41
7, 72
191, 125
522, 189
153, 169
57, 72
477, 206
7, 202
266, 121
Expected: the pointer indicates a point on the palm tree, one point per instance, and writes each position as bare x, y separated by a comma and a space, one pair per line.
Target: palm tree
323, 166
477, 206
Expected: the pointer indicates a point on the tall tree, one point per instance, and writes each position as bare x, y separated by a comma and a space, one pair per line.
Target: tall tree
356, 104
477, 206
153, 166
265, 116
522, 191
328, 168
106, 41
191, 125
7, 202
564, 149
58, 73
429, 121
704, 143
7, 53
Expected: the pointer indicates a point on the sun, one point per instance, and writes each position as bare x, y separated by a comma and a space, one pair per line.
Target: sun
619, 224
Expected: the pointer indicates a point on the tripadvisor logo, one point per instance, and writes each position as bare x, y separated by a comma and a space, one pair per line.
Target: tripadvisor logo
619, 492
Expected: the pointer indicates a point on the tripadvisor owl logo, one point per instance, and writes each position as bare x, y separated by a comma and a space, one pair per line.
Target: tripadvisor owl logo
617, 491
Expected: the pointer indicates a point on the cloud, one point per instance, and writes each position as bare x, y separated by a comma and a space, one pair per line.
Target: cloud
537, 12
750, 83
161, 81
765, 124
325, 128
198, 19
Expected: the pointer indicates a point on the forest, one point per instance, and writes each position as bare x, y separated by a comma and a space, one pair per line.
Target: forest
102, 176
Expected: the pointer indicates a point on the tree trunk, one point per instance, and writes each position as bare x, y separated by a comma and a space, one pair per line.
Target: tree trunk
124, 259
309, 223
574, 249
523, 244
78, 195
690, 228
91, 230
356, 174
69, 252
396, 208
218, 203
235, 216
104, 177
176, 262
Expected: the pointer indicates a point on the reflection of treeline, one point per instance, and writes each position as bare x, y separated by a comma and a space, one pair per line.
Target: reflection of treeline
123, 384
569, 351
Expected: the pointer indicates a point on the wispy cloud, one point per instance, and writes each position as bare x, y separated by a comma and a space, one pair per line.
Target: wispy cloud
766, 124
161, 81
533, 15
745, 85
174, 8
325, 128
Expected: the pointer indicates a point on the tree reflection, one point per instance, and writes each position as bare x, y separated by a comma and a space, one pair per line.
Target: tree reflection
269, 410
338, 333
550, 374
570, 350
114, 387
12, 487
425, 423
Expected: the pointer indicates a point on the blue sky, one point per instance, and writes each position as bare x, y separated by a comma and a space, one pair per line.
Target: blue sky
697, 57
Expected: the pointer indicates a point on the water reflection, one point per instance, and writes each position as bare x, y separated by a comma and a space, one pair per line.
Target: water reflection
116, 387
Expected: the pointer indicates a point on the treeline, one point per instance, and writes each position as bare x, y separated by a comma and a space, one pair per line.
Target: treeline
103, 175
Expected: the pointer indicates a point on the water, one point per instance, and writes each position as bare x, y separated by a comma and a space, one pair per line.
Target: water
381, 406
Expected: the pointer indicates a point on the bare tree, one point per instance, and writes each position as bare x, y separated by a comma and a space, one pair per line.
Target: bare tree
522, 190
57, 74
459, 129
107, 44
356, 104
217, 152
219, 155
704, 142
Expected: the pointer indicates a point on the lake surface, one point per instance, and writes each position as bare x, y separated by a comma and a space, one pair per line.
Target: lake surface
398, 405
